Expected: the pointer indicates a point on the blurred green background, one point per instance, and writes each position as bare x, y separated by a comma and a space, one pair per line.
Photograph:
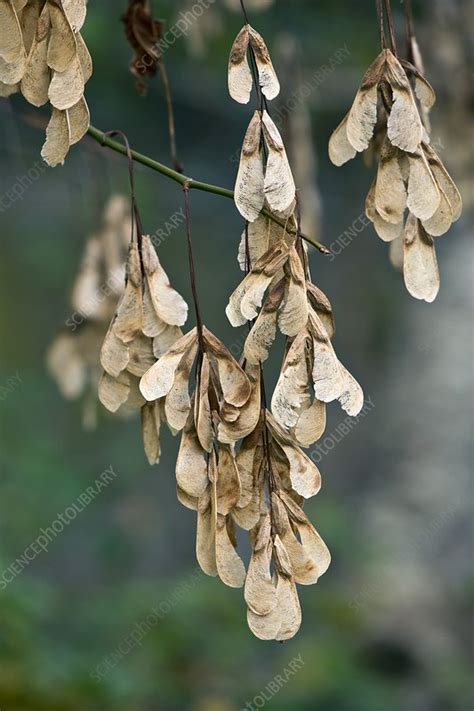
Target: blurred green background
389, 626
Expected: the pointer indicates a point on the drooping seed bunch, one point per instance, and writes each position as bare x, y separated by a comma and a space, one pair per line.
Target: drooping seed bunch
413, 199
272, 476
146, 323
43, 55
73, 357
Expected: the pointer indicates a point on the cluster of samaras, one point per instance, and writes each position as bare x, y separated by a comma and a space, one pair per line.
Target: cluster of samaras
410, 175
43, 55
239, 464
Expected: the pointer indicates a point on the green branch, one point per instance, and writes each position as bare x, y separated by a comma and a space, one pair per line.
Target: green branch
192, 184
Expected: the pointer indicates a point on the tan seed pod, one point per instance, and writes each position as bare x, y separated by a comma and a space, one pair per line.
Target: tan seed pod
57, 142
168, 303
11, 40
67, 87
62, 42
158, 380
85, 58
150, 419
239, 74
285, 619
293, 314
233, 381
230, 567
249, 186
206, 535
260, 591
420, 266
191, 464
228, 482
279, 185
390, 195
444, 181
114, 392
404, 127
178, 402
440, 222
37, 77
247, 298
114, 354
76, 11
129, 319
423, 193
340, 150
79, 120
267, 77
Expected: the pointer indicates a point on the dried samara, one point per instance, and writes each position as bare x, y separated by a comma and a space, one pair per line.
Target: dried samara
147, 321
73, 357
413, 199
43, 55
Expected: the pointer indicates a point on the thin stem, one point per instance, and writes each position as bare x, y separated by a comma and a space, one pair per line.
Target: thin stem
383, 41
170, 111
192, 270
390, 27
192, 184
136, 219
244, 11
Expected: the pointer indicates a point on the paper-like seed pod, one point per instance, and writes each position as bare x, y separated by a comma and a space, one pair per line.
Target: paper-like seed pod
67, 87
239, 74
62, 42
249, 186
420, 266
404, 127
279, 185
56, 146
267, 77
423, 193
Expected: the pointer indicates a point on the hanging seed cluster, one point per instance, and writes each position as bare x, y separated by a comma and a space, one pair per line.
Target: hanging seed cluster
413, 199
73, 357
43, 55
